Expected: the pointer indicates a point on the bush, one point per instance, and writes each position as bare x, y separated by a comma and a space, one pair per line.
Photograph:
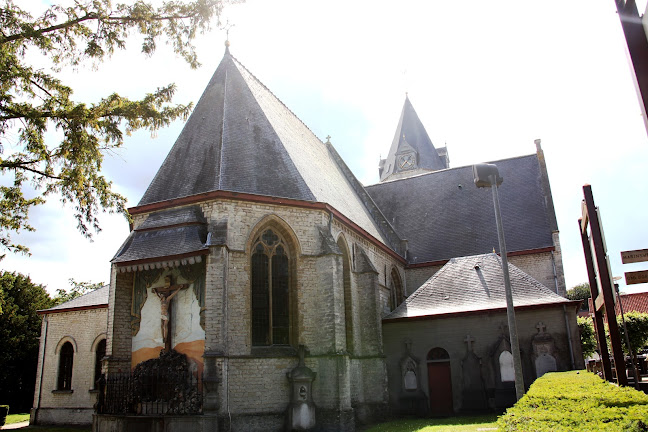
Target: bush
4, 412
577, 400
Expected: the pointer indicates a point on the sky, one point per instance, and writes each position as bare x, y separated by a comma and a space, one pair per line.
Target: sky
486, 79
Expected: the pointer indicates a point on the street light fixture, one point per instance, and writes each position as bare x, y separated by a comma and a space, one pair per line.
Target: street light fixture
487, 175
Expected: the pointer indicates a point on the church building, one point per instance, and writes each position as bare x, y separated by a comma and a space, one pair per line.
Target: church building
288, 285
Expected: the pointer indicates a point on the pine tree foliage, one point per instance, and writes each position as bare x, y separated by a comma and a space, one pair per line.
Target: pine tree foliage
34, 100
20, 327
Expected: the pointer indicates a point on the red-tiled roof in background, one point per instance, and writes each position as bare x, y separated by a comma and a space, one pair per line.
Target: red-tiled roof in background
632, 302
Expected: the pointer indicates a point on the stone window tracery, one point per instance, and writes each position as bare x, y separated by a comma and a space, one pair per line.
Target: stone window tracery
270, 290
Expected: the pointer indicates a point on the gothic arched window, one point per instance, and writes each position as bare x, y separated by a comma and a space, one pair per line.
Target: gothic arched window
270, 290
66, 361
396, 295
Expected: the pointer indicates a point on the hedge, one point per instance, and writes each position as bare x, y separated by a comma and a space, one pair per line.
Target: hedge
577, 400
4, 412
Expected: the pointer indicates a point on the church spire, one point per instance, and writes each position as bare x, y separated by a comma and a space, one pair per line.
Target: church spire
412, 151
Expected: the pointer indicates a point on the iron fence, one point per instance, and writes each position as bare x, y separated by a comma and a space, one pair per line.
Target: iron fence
151, 393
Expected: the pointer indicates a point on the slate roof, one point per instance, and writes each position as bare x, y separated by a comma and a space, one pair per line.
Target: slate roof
474, 283
411, 134
95, 298
443, 214
167, 233
241, 138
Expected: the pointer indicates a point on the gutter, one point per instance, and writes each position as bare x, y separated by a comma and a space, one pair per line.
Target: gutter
40, 377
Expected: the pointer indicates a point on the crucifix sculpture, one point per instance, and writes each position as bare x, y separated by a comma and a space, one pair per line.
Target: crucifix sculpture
166, 294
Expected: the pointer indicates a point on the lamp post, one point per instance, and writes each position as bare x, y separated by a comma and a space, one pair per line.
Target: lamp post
633, 360
487, 175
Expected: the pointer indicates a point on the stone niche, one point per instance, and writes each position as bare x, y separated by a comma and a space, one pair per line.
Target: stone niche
473, 394
544, 351
411, 399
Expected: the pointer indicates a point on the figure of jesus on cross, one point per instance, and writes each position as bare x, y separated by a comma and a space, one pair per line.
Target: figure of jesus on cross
166, 294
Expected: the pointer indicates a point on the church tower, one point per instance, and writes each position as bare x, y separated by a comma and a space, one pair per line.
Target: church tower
412, 151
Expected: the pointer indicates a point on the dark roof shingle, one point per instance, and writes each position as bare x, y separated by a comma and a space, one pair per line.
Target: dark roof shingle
444, 215
95, 298
241, 138
474, 283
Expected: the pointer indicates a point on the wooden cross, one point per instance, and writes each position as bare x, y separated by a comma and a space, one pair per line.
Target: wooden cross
469, 340
166, 294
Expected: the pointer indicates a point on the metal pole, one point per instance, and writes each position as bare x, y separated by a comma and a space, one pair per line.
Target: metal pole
633, 361
510, 311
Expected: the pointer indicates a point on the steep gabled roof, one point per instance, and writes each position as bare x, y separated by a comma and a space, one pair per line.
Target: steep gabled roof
473, 284
411, 137
241, 138
444, 215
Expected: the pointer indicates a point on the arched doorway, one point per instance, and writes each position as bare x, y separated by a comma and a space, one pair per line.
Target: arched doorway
439, 382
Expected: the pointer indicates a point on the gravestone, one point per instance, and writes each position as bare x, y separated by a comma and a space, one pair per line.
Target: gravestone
411, 400
544, 351
473, 389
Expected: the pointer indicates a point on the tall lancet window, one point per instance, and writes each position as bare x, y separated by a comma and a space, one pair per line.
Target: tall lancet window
270, 290
66, 361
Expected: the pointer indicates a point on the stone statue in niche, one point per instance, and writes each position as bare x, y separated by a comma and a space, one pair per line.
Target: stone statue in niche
166, 294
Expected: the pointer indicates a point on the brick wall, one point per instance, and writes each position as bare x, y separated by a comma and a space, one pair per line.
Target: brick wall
83, 329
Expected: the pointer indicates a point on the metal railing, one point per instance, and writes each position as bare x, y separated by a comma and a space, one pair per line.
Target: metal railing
150, 393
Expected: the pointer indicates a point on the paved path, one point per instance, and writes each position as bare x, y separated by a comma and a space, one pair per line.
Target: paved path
15, 425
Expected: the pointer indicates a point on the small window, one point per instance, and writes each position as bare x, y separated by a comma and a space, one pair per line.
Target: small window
66, 361
100, 353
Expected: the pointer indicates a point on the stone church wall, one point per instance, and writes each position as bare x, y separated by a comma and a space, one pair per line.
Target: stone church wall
255, 388
450, 334
83, 329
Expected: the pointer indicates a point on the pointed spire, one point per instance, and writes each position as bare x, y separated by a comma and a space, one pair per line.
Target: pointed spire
412, 151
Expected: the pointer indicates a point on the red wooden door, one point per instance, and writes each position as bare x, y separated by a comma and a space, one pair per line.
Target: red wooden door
440, 387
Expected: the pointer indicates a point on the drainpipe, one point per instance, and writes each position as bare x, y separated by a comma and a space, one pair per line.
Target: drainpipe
40, 383
569, 338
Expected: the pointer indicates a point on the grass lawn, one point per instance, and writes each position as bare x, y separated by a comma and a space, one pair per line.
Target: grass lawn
452, 424
16, 418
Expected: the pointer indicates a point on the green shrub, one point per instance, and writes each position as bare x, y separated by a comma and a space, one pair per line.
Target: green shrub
4, 412
577, 400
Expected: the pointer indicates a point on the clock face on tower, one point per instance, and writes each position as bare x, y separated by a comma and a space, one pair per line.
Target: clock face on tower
406, 161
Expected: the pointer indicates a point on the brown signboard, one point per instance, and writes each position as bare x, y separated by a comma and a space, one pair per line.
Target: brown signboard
636, 277
634, 256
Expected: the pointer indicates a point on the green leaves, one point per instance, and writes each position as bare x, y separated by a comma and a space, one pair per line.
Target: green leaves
568, 401
587, 335
32, 101
637, 325
20, 326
